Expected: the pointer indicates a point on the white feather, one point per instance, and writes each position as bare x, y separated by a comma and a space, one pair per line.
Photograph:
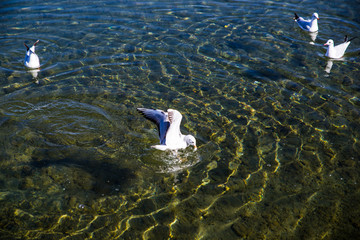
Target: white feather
31, 58
336, 51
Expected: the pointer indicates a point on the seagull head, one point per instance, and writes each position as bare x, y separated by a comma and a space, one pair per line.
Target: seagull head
190, 141
315, 16
329, 42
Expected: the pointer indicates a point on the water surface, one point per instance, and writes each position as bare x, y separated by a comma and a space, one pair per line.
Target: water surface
277, 129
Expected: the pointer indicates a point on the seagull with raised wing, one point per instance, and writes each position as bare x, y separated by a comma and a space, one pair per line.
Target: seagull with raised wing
308, 25
168, 124
31, 59
337, 51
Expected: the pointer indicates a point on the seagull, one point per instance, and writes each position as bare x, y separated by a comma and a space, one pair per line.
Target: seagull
308, 25
168, 124
31, 59
338, 50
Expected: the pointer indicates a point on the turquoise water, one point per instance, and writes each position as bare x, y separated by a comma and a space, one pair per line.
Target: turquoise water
277, 129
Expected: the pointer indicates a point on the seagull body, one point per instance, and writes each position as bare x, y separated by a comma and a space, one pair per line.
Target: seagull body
337, 51
168, 124
308, 25
31, 59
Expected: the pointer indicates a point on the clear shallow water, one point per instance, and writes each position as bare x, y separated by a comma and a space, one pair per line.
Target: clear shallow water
278, 136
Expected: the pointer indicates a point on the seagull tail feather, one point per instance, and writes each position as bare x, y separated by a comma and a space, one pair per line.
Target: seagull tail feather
296, 17
351, 39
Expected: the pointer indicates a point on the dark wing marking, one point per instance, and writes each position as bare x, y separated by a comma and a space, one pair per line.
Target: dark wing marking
296, 16
346, 39
27, 48
159, 118
351, 39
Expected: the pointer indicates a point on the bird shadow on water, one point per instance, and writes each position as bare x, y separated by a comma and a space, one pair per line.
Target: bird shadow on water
83, 172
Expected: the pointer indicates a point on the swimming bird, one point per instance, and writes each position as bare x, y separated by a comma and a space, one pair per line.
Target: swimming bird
338, 50
31, 59
308, 25
168, 124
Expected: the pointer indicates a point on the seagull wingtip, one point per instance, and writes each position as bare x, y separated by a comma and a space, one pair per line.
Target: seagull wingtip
295, 16
141, 109
27, 47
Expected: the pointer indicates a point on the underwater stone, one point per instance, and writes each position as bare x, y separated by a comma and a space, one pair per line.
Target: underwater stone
164, 216
159, 232
146, 206
240, 228
64, 224
347, 81
293, 86
355, 101
27, 183
72, 201
22, 214
4, 195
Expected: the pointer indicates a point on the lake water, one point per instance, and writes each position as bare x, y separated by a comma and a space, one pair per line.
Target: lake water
277, 123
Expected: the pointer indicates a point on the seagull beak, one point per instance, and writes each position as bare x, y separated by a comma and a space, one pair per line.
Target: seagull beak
195, 147
325, 44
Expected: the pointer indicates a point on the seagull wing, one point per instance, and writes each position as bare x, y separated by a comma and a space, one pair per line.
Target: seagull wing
341, 48
304, 24
160, 118
174, 136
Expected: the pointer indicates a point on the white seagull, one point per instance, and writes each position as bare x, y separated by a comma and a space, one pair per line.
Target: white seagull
168, 124
31, 59
308, 25
338, 50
